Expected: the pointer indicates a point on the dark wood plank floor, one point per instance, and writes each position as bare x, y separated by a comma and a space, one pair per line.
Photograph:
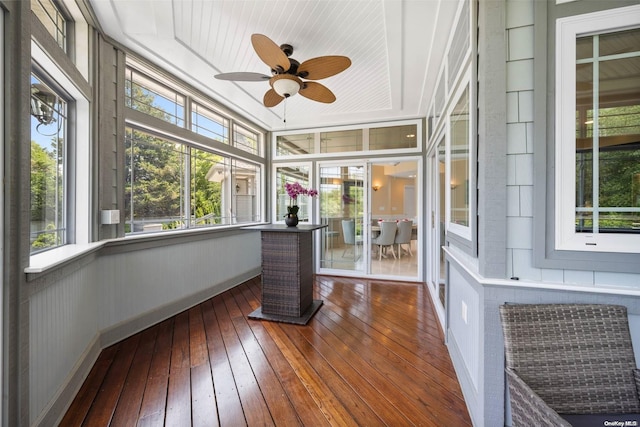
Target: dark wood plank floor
373, 355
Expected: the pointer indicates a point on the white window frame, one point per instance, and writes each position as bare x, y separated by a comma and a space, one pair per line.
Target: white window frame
80, 176
458, 229
567, 31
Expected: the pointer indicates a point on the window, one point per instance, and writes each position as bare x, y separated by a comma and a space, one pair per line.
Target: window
171, 185
598, 132
246, 140
392, 137
154, 98
208, 123
53, 20
295, 144
459, 165
341, 141
184, 174
49, 168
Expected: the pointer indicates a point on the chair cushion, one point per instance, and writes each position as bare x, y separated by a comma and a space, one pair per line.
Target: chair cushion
600, 420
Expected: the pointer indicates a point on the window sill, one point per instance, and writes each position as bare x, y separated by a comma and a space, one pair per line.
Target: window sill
44, 261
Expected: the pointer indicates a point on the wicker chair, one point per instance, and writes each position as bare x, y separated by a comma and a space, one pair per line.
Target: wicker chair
570, 365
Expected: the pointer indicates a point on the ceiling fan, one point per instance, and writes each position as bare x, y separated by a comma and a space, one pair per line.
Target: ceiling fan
287, 74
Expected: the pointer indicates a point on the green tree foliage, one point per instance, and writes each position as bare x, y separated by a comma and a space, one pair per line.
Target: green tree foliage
44, 179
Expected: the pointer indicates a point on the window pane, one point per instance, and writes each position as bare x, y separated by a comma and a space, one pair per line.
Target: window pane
154, 188
393, 137
245, 139
207, 123
608, 121
153, 98
294, 144
206, 190
48, 167
341, 141
619, 42
290, 175
246, 192
48, 13
460, 161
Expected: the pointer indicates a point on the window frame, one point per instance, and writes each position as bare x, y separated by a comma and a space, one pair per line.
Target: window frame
79, 159
185, 135
461, 230
567, 31
545, 254
317, 154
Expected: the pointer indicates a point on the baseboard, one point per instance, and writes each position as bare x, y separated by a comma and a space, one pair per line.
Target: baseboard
55, 410
134, 325
58, 405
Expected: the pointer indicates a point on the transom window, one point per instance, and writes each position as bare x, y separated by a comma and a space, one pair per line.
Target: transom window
392, 137
53, 20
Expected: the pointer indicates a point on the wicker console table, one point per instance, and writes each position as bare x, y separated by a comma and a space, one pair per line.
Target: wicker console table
287, 273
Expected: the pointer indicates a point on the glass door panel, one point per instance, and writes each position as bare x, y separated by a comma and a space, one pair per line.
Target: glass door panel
394, 199
342, 208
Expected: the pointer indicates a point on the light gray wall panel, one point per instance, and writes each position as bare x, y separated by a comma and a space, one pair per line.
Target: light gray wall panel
62, 325
141, 281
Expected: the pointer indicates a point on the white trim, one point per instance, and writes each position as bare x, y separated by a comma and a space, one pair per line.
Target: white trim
458, 229
567, 30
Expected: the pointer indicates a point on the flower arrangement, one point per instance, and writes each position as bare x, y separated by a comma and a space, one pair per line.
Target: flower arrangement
294, 190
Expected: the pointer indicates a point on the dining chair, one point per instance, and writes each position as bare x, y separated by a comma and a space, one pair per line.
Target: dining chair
351, 241
403, 237
386, 238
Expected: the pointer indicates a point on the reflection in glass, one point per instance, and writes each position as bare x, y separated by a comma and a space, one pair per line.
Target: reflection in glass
460, 148
341, 141
341, 195
291, 174
287, 145
393, 137
48, 181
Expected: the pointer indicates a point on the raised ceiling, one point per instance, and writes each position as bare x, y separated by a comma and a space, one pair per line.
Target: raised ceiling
395, 46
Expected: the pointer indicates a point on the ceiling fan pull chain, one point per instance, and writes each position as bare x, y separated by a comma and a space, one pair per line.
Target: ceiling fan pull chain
285, 113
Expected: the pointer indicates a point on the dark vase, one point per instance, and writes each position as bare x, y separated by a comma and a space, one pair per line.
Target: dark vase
291, 220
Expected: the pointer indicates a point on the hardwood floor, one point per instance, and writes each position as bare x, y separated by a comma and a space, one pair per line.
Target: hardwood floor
373, 355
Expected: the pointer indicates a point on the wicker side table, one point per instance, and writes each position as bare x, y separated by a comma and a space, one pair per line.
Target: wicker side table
287, 273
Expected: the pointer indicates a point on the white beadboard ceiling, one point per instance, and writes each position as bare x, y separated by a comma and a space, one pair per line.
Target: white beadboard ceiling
396, 48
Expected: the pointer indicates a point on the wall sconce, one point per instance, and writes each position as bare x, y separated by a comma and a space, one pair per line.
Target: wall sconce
375, 187
454, 185
237, 188
43, 104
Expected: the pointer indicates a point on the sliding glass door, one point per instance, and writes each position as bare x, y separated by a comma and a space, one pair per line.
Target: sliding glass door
372, 212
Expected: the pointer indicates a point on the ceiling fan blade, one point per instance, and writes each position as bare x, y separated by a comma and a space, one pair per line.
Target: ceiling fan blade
271, 98
317, 92
323, 67
243, 77
270, 53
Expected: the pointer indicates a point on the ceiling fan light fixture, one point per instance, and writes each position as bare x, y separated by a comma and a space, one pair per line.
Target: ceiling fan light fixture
286, 85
